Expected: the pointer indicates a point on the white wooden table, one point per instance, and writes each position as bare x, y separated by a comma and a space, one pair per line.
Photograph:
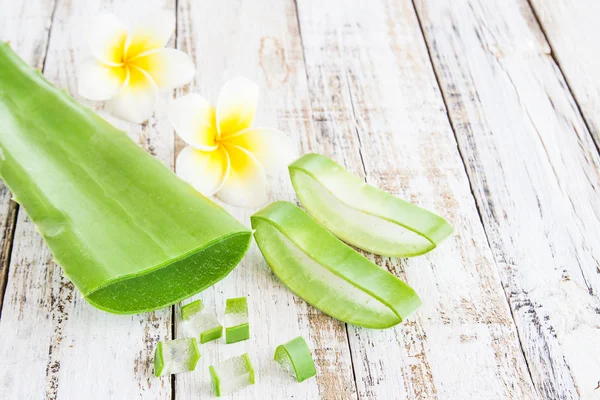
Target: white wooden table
485, 111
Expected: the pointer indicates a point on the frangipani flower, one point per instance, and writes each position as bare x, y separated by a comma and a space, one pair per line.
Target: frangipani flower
226, 156
130, 67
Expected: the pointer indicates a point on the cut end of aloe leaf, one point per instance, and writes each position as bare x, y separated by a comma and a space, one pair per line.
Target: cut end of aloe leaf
174, 281
237, 326
294, 357
363, 215
232, 374
175, 356
129, 234
327, 273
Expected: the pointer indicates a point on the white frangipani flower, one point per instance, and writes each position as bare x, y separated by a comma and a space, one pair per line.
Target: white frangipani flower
226, 156
129, 68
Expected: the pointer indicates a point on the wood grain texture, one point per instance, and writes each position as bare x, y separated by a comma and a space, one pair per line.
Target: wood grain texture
373, 87
228, 39
26, 28
353, 80
534, 172
571, 27
54, 344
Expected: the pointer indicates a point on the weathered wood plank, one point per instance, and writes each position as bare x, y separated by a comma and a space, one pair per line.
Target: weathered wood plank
372, 85
534, 172
572, 29
262, 43
54, 344
26, 27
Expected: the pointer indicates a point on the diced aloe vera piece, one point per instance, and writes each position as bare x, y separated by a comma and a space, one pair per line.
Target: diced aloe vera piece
191, 309
327, 273
198, 323
129, 234
237, 327
294, 356
174, 356
232, 374
212, 329
363, 215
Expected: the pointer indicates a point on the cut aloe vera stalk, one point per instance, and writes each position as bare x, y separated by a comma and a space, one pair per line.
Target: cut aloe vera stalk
232, 374
174, 356
294, 356
127, 232
363, 215
191, 309
195, 322
327, 273
237, 327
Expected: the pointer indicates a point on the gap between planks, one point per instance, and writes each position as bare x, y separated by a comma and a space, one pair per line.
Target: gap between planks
364, 171
5, 251
564, 76
469, 177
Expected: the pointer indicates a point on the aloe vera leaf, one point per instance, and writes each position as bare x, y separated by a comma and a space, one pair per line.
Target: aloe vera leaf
294, 356
327, 273
232, 374
363, 215
127, 232
237, 327
175, 356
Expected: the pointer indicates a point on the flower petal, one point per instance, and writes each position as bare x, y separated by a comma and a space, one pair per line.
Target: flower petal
194, 121
97, 81
236, 106
106, 37
271, 147
153, 32
246, 184
136, 101
169, 68
204, 170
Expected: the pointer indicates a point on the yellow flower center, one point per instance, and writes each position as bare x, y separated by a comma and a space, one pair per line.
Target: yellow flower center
132, 61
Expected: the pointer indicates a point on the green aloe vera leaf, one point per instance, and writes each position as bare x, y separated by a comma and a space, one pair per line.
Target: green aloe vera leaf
127, 232
294, 356
237, 326
363, 215
175, 356
327, 273
232, 374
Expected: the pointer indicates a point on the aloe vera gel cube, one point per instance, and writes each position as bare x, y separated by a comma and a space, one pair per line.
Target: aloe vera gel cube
174, 356
232, 374
198, 323
237, 327
190, 310
294, 357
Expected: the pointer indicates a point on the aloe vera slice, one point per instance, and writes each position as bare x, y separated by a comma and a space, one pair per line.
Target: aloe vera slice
191, 309
127, 232
294, 356
232, 374
196, 322
327, 273
363, 215
175, 356
236, 320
